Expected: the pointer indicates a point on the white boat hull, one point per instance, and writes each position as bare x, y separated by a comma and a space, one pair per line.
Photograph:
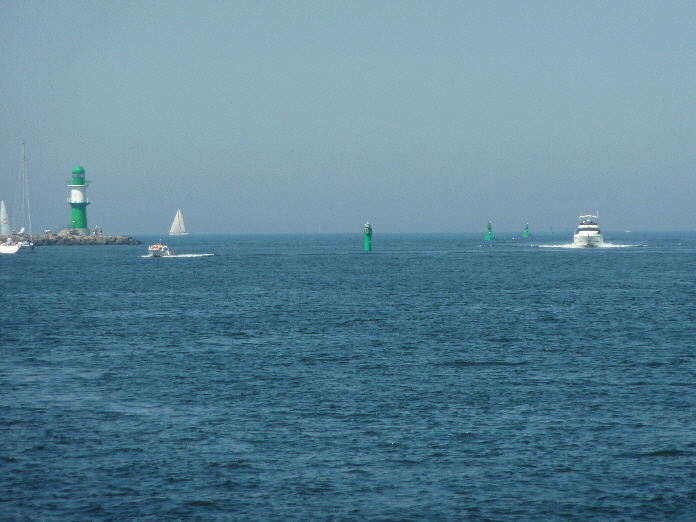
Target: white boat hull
588, 240
9, 249
15, 248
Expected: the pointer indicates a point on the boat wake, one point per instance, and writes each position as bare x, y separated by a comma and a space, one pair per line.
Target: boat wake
191, 255
601, 245
180, 255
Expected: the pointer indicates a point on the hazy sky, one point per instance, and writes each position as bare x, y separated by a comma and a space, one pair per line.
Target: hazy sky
279, 117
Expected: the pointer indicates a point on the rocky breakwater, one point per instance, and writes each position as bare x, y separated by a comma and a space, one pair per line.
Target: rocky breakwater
76, 240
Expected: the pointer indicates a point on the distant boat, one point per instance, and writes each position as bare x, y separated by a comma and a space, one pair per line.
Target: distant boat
13, 245
588, 233
178, 228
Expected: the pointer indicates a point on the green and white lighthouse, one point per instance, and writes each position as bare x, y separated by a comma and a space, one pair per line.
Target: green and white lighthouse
78, 202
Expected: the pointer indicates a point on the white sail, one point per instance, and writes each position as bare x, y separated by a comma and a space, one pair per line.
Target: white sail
4, 220
178, 228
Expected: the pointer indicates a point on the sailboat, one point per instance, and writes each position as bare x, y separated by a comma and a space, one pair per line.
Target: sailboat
12, 246
178, 228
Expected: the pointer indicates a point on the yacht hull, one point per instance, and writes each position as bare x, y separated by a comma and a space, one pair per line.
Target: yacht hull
9, 249
17, 248
583, 240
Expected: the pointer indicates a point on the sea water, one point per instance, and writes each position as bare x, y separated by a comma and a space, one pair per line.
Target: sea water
439, 378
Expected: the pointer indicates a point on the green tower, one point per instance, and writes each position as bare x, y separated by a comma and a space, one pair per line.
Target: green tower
526, 231
489, 235
368, 237
78, 202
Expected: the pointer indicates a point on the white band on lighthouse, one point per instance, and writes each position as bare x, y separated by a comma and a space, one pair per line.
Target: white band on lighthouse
77, 194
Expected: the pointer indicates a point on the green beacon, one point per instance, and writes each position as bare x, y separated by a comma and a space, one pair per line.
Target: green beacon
368, 237
78, 202
526, 231
489, 235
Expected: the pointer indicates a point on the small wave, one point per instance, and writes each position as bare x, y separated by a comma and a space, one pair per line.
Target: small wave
664, 453
201, 503
460, 362
659, 453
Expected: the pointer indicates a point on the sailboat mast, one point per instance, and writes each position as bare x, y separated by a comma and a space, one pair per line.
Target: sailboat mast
26, 209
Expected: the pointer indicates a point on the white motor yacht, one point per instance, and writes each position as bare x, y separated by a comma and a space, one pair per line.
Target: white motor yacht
588, 233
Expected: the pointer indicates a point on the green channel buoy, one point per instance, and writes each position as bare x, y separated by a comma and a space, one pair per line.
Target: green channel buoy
526, 231
490, 235
368, 237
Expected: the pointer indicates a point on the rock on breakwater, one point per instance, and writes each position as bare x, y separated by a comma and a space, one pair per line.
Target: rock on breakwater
76, 240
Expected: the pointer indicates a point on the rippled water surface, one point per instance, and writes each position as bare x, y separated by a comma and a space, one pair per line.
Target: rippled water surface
298, 378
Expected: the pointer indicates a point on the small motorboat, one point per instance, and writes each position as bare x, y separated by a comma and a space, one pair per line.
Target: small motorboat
159, 250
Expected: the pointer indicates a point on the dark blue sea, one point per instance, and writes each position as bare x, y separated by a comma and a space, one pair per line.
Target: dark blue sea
295, 378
